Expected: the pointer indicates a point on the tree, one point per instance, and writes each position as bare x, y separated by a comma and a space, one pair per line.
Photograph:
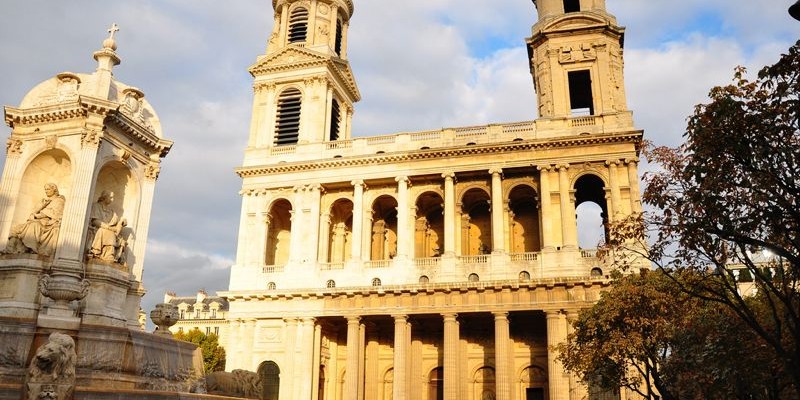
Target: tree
728, 197
213, 353
648, 335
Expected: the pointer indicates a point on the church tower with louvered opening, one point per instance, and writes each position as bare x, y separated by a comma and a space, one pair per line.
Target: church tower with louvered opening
304, 87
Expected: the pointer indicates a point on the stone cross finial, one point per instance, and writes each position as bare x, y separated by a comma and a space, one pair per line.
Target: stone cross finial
114, 29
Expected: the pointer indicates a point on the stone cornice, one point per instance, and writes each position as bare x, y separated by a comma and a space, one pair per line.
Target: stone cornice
338, 67
141, 133
495, 148
349, 4
45, 114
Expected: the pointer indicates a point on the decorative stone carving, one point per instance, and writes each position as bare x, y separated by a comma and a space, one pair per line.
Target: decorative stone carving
239, 383
51, 374
91, 138
133, 104
323, 32
50, 141
164, 316
152, 171
39, 233
13, 146
585, 52
105, 229
63, 288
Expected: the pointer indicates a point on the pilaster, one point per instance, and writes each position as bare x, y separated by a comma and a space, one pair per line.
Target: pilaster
350, 390
502, 338
358, 220
498, 239
449, 214
402, 340
404, 231
557, 380
568, 222
546, 204
451, 357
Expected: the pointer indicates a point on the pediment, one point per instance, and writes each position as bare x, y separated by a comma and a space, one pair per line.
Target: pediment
288, 56
576, 21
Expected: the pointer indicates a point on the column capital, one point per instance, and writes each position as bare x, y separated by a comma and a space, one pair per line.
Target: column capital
554, 314
449, 175
500, 315
400, 318
308, 320
298, 188
316, 187
290, 321
358, 182
633, 160
353, 319
614, 162
450, 317
545, 167
495, 171
562, 167
267, 218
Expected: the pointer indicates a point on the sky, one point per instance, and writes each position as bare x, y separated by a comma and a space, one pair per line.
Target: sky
420, 64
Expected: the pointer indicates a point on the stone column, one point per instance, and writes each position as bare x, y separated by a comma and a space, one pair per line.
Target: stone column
568, 222
358, 220
345, 28
404, 233
401, 344
557, 380
290, 358
633, 179
502, 351
546, 213
282, 36
304, 371
616, 203
329, 117
449, 214
297, 226
315, 363
362, 355
349, 118
8, 187
351, 368
498, 240
452, 380
316, 191
324, 237
262, 240
72, 234
578, 389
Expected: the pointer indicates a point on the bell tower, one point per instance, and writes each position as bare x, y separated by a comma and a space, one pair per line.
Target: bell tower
304, 87
576, 51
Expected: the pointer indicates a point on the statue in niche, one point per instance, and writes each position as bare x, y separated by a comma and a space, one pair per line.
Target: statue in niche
52, 371
105, 231
39, 233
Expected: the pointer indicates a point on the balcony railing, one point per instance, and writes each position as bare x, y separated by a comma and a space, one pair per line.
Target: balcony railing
525, 257
274, 269
378, 264
479, 259
592, 253
432, 262
332, 266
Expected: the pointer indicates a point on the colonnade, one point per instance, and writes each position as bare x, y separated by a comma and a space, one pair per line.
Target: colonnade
300, 369
310, 223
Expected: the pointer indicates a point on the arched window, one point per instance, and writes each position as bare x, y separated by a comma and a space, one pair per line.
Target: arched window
270, 375
271, 286
383, 245
336, 120
337, 46
435, 384
429, 226
476, 223
376, 282
524, 276
298, 25
330, 284
591, 209
424, 279
287, 121
474, 278
596, 272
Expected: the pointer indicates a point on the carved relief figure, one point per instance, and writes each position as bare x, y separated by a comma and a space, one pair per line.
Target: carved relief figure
39, 233
107, 242
51, 374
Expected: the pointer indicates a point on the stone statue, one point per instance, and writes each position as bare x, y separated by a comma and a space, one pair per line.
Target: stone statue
106, 226
239, 383
40, 232
51, 374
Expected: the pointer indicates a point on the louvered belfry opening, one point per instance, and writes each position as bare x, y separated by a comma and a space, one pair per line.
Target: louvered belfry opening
338, 45
298, 25
287, 125
335, 121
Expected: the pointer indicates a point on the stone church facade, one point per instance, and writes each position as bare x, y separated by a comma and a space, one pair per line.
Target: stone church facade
441, 264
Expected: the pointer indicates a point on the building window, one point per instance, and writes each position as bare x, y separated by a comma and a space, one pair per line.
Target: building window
287, 124
571, 6
474, 278
216, 330
337, 46
183, 314
424, 279
376, 282
336, 120
596, 272
271, 286
208, 330
580, 93
213, 313
330, 284
524, 276
298, 25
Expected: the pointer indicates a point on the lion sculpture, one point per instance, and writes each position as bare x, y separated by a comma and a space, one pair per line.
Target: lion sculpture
238, 383
52, 371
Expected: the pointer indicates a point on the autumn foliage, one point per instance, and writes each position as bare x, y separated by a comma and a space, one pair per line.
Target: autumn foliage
725, 210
